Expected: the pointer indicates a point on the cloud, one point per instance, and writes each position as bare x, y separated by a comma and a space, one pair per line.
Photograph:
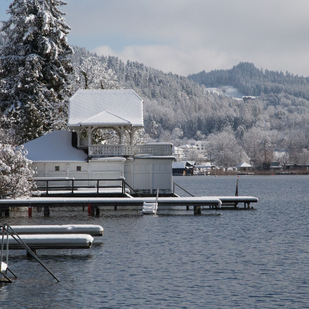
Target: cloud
187, 36
168, 58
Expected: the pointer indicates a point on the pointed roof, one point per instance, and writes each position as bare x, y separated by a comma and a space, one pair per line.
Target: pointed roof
107, 118
244, 164
105, 108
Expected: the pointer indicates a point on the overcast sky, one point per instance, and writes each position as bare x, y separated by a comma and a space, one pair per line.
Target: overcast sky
188, 36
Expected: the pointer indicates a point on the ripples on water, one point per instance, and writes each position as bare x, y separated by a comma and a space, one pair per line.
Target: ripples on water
241, 259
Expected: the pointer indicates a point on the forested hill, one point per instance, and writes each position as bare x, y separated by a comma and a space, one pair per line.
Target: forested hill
252, 81
177, 107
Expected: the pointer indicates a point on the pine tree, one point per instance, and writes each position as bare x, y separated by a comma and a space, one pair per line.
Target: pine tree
35, 69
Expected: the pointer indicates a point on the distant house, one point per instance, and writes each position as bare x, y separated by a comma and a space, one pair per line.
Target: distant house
248, 98
74, 153
275, 166
244, 167
183, 168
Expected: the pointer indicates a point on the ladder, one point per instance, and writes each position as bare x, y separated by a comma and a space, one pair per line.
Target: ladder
7, 231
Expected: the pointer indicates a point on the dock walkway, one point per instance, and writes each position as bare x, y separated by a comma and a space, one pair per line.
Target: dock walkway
164, 203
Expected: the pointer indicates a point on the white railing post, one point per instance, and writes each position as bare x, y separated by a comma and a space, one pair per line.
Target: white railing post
164, 149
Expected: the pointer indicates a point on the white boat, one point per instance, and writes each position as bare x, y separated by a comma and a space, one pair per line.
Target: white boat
151, 207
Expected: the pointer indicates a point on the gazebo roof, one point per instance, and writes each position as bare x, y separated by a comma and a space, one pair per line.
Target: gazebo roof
98, 107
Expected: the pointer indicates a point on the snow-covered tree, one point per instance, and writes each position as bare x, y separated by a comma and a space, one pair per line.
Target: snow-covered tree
35, 68
224, 149
16, 174
92, 73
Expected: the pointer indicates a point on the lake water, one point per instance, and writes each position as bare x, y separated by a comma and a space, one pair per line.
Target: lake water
241, 259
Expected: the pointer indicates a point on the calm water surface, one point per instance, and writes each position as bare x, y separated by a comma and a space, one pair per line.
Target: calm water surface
241, 259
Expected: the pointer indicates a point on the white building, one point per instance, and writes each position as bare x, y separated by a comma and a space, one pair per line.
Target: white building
74, 153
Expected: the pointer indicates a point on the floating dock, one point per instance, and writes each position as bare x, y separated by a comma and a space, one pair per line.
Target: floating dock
48, 241
89, 229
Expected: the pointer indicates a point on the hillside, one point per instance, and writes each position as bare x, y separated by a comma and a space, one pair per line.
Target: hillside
178, 109
254, 82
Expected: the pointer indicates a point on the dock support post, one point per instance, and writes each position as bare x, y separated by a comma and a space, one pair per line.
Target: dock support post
188, 207
29, 211
46, 211
7, 212
93, 210
197, 210
89, 209
115, 207
29, 255
97, 211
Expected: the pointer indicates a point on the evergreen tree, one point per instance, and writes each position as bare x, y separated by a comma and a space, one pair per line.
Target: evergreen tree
35, 68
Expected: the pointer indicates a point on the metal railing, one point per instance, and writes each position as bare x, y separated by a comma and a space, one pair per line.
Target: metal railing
156, 149
72, 185
6, 232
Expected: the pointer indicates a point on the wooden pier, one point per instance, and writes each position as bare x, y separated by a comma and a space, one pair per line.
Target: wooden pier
97, 203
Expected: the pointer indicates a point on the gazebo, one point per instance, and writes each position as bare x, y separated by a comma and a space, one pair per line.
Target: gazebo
119, 110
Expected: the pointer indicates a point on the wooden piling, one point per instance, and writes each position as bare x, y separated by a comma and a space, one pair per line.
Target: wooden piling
89, 209
7, 212
197, 210
29, 211
46, 211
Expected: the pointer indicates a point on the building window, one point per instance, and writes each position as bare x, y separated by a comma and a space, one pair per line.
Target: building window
57, 168
78, 168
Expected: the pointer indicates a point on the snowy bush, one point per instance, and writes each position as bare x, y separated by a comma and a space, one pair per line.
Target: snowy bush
16, 175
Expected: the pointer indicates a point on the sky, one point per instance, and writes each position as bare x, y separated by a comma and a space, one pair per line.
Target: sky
188, 36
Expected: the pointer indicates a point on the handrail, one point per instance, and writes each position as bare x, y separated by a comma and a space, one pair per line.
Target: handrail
182, 188
72, 181
132, 189
15, 236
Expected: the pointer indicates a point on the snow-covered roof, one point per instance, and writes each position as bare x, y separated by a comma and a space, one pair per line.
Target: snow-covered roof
108, 107
182, 164
244, 164
54, 147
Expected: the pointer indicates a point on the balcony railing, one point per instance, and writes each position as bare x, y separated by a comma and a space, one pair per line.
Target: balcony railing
158, 149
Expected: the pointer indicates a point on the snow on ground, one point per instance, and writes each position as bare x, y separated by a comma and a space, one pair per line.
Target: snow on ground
228, 91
